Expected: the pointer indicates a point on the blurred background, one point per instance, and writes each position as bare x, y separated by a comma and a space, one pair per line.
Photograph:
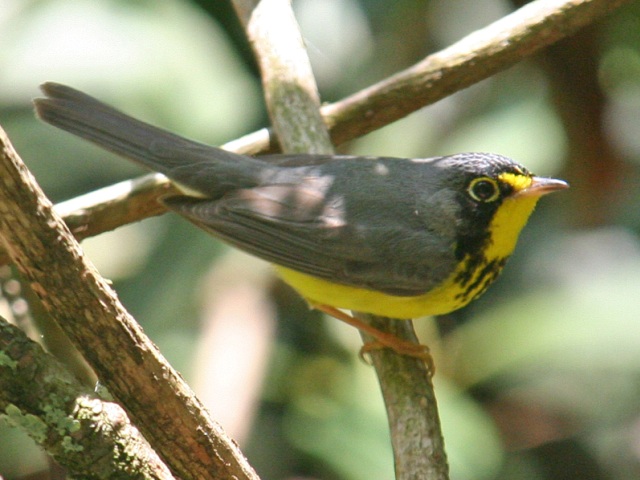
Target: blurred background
539, 379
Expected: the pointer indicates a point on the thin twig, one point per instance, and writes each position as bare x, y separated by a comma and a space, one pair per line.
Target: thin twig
87, 309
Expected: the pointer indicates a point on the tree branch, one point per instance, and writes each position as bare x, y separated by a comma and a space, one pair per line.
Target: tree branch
290, 90
89, 437
476, 57
111, 207
412, 409
86, 308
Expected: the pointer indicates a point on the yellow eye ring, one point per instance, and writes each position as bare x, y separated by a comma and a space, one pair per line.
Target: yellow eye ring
484, 189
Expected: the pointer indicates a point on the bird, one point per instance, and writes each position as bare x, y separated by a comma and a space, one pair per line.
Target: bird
392, 237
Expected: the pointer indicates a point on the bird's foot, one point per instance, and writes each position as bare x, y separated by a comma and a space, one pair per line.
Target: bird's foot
382, 339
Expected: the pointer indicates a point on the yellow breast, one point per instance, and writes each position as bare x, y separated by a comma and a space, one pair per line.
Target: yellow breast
470, 278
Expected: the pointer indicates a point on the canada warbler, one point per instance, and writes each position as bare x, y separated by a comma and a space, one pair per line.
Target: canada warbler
393, 237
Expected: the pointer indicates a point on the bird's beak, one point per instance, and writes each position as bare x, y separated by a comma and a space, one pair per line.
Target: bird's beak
541, 186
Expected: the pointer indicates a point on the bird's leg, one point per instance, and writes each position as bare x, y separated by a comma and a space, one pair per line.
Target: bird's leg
382, 339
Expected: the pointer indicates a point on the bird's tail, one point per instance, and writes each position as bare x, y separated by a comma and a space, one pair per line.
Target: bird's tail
191, 164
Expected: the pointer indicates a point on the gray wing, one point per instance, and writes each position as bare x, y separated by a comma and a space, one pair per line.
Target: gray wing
312, 237
279, 208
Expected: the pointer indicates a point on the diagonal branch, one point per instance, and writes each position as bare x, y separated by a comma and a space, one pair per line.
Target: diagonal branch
87, 309
476, 57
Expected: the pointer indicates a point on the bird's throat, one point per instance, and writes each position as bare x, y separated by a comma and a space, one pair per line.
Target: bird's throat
506, 225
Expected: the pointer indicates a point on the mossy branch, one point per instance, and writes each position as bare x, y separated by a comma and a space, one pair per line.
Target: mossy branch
90, 437
87, 309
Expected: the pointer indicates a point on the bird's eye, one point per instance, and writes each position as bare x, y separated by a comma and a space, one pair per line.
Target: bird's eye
484, 189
